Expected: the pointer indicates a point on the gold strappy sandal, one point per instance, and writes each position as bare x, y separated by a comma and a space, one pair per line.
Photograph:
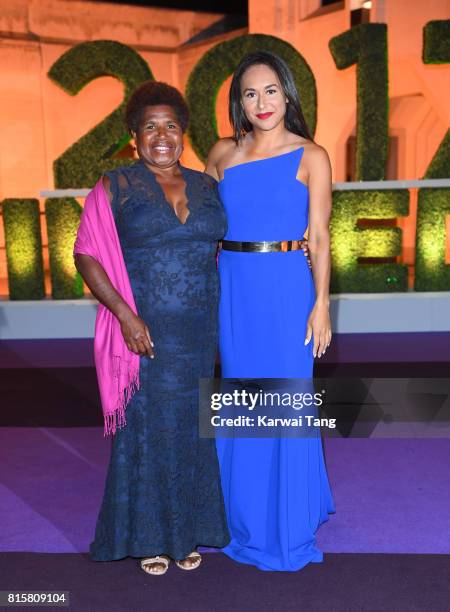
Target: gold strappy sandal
157, 562
196, 558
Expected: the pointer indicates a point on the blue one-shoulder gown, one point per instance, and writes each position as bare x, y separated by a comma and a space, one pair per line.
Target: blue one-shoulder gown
276, 490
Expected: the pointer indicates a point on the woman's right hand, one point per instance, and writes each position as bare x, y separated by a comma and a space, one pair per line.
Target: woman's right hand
134, 331
136, 334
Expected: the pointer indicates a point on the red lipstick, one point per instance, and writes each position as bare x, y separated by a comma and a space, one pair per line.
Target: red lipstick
264, 115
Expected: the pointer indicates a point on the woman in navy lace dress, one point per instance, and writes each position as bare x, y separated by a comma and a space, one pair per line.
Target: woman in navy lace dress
162, 497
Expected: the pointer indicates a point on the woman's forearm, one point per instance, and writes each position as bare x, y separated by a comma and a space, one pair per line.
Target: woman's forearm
319, 252
100, 286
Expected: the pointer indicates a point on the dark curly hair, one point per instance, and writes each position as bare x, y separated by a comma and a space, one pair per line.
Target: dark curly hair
153, 93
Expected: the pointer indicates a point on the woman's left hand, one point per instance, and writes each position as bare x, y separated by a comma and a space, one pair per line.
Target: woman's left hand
305, 249
319, 327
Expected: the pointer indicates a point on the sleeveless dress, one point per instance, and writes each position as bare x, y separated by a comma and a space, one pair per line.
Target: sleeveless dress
162, 493
276, 490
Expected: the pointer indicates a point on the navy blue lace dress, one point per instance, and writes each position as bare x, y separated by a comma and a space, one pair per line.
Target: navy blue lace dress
162, 493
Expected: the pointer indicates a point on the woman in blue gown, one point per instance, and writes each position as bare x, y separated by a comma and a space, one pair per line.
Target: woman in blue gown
275, 182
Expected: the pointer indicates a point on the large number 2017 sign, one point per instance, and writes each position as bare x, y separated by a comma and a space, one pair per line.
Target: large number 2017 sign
82, 164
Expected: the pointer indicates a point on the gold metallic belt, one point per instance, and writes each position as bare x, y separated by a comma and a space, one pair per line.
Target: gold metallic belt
262, 247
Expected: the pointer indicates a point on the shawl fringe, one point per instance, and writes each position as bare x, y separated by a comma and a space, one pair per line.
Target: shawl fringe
116, 419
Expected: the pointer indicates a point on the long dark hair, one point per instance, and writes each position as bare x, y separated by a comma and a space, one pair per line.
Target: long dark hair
294, 120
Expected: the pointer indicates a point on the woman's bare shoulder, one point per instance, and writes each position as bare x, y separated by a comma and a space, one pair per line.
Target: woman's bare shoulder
218, 155
315, 154
220, 149
317, 165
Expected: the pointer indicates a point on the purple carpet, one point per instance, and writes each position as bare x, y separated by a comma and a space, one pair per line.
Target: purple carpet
392, 495
343, 583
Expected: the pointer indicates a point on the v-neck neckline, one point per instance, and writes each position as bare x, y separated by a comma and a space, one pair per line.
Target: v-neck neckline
163, 195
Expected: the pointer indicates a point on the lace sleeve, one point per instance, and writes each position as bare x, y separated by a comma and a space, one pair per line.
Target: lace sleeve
210, 184
119, 188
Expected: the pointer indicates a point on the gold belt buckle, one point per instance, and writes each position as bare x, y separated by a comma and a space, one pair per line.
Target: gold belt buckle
289, 245
282, 246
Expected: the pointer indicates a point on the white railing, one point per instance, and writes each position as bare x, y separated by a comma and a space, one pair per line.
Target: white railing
347, 186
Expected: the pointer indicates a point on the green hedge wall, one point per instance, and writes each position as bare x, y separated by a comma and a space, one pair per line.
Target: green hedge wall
366, 46
436, 42
218, 64
440, 164
63, 219
23, 249
83, 162
432, 273
436, 50
349, 242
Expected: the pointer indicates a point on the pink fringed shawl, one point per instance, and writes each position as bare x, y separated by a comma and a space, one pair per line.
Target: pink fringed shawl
117, 367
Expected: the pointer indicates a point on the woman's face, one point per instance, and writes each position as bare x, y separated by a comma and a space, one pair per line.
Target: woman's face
263, 99
159, 138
